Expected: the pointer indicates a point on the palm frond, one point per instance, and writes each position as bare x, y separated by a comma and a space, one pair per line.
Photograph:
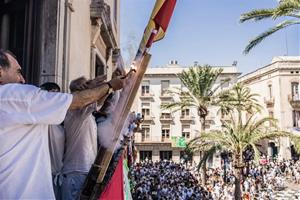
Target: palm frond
207, 154
286, 8
254, 42
257, 15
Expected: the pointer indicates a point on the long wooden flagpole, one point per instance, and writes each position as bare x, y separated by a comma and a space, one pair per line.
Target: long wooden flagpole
154, 31
98, 170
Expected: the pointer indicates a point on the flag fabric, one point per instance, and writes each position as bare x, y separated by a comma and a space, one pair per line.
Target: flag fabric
115, 188
157, 25
127, 193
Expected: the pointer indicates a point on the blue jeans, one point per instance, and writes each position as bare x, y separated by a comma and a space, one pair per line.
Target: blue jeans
71, 186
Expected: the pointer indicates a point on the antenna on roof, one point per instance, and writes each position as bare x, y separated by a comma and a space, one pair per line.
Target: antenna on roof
234, 63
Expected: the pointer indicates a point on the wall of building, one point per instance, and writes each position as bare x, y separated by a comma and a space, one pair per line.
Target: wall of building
155, 76
280, 73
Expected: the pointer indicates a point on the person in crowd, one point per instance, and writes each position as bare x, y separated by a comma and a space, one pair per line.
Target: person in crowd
25, 113
56, 145
81, 141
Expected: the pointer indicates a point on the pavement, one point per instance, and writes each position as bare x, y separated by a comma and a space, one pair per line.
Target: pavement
290, 193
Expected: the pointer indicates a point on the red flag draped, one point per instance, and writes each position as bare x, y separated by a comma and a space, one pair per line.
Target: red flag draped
115, 189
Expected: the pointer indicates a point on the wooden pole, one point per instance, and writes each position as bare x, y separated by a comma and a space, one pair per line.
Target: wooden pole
98, 170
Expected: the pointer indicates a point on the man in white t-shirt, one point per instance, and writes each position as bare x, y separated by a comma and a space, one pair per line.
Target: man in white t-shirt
25, 113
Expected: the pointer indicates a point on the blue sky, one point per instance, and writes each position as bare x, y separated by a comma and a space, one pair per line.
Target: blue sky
209, 32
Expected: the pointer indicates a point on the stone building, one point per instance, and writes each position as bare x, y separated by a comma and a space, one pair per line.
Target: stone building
59, 40
278, 87
162, 129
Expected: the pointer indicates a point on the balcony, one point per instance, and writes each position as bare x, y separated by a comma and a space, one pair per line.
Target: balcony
269, 101
165, 96
148, 119
166, 118
152, 139
294, 101
187, 118
147, 96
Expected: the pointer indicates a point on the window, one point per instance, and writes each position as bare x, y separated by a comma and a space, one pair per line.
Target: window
165, 132
20, 24
270, 91
100, 68
145, 154
145, 88
165, 155
186, 129
146, 109
296, 118
165, 115
271, 114
164, 87
145, 132
295, 91
185, 113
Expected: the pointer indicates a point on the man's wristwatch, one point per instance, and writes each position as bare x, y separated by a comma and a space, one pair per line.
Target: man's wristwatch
110, 88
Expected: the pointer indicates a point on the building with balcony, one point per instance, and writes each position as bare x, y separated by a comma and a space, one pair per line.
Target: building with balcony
164, 133
278, 87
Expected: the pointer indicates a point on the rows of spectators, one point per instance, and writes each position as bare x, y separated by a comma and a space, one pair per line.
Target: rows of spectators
165, 180
168, 180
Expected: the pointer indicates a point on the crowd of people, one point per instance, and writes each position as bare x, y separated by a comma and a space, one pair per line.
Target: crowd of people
261, 181
168, 180
165, 180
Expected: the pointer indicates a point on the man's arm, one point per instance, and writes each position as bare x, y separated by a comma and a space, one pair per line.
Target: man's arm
86, 97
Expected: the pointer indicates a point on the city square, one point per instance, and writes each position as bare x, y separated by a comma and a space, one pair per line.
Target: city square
150, 99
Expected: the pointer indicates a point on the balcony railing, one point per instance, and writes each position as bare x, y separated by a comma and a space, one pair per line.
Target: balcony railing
148, 118
148, 95
151, 139
165, 96
166, 118
269, 102
294, 100
187, 118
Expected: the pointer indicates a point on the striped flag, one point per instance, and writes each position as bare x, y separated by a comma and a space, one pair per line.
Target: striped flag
158, 24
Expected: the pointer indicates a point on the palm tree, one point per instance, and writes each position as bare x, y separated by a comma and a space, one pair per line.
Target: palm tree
202, 93
236, 137
285, 8
237, 134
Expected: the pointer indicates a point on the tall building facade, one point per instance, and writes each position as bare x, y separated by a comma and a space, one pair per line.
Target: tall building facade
60, 40
278, 87
162, 131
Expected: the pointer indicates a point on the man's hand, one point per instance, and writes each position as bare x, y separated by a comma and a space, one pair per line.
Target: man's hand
116, 83
99, 80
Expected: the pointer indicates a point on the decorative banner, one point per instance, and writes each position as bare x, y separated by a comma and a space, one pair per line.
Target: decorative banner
178, 142
127, 192
157, 25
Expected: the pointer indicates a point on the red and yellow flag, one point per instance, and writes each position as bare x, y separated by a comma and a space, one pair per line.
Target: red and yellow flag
158, 23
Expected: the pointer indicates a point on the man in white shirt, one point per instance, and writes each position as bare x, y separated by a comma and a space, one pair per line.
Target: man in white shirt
25, 113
